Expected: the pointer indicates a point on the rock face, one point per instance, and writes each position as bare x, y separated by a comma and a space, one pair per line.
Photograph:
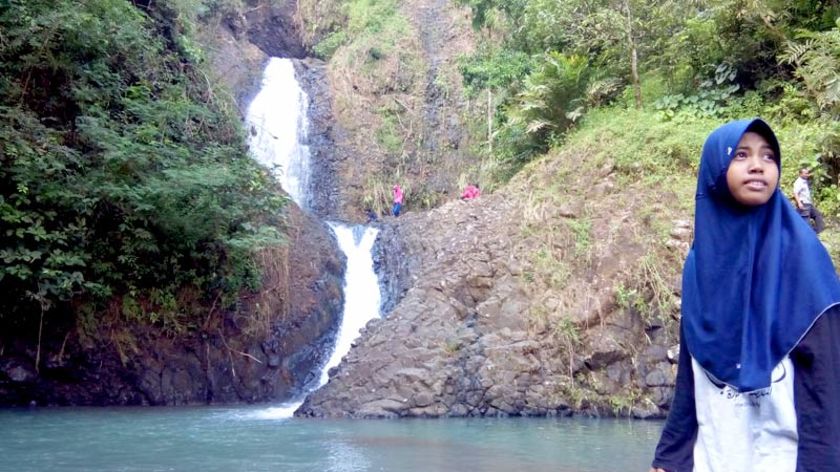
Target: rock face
398, 105
324, 188
272, 27
234, 61
265, 350
516, 307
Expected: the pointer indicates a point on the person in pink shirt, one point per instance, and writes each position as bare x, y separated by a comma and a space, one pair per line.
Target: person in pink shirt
398, 200
471, 191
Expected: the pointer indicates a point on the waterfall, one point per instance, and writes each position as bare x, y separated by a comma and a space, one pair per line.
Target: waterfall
361, 289
278, 125
279, 128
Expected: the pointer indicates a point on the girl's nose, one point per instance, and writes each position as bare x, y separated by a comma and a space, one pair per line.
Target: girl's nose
756, 164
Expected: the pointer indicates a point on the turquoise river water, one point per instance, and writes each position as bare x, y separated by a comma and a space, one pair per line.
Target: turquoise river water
246, 439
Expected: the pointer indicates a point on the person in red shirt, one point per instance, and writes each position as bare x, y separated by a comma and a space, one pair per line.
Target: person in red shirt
471, 191
398, 199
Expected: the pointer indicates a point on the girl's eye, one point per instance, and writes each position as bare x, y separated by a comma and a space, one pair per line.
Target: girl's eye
740, 155
769, 157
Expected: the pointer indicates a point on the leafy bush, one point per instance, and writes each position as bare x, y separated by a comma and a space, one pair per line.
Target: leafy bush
121, 171
552, 98
493, 68
327, 46
552, 93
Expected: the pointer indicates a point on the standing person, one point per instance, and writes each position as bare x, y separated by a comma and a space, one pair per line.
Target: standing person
398, 199
802, 195
758, 380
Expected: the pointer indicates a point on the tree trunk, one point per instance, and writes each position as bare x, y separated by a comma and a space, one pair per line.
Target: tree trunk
634, 57
490, 119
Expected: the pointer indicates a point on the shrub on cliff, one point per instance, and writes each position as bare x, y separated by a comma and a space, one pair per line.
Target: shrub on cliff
124, 177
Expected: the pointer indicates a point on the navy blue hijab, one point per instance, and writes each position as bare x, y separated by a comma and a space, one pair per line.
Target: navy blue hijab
756, 278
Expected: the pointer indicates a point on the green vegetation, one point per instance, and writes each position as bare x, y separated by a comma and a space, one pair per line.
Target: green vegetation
374, 26
125, 179
549, 64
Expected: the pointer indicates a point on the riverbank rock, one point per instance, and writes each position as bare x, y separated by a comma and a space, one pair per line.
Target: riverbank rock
264, 349
516, 305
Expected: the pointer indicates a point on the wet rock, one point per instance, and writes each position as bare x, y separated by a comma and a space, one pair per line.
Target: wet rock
674, 354
272, 27
18, 371
662, 396
606, 347
646, 411
655, 353
324, 192
658, 378
381, 409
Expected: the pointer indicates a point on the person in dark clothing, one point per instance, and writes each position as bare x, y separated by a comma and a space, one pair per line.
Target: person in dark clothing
758, 379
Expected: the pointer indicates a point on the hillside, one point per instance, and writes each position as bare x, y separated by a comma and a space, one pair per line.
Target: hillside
397, 99
556, 294
558, 291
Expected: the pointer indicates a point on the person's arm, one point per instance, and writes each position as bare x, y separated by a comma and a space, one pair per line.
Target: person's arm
817, 395
675, 451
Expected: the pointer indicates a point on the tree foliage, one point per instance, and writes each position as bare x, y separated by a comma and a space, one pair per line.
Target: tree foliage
816, 56
123, 175
703, 56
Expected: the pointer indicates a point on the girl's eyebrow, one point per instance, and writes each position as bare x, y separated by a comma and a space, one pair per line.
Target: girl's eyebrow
763, 146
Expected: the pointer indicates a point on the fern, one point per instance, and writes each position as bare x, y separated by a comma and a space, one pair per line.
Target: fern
816, 58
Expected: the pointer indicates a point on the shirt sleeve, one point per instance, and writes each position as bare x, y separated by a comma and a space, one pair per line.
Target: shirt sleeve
817, 395
675, 451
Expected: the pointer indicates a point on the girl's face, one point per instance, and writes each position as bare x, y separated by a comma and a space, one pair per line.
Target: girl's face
753, 174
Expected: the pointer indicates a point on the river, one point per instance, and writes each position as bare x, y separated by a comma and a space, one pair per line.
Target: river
251, 439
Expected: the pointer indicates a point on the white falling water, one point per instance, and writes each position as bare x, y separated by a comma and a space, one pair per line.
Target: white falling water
362, 298
279, 128
361, 289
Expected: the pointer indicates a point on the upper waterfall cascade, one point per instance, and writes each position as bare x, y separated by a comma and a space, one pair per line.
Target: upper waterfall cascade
279, 128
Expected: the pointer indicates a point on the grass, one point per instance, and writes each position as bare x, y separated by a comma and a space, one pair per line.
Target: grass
553, 271
582, 230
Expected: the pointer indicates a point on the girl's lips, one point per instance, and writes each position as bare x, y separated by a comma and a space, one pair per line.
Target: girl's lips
755, 184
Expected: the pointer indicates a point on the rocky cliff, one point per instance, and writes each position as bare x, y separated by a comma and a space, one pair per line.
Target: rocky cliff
549, 297
397, 101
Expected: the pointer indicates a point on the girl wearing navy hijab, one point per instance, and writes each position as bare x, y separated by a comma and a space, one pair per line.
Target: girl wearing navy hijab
758, 380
